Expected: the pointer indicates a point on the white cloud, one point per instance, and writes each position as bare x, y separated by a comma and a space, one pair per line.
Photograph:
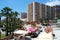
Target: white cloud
53, 2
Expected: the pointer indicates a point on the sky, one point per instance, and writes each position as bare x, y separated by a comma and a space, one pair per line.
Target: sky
21, 5
53, 2
18, 5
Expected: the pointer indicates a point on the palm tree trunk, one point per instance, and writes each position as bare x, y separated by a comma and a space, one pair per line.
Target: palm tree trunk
7, 26
10, 26
14, 25
0, 26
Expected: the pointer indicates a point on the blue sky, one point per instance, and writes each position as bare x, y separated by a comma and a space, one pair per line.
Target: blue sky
21, 5
18, 5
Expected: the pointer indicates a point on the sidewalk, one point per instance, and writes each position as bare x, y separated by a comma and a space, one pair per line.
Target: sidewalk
44, 36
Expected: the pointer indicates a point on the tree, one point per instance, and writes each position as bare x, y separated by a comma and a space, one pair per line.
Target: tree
6, 12
13, 18
19, 23
0, 24
41, 20
0, 18
59, 15
11, 22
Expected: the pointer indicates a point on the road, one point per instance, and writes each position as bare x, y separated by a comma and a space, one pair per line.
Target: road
56, 31
57, 34
44, 36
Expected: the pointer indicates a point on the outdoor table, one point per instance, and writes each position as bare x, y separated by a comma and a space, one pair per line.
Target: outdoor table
20, 32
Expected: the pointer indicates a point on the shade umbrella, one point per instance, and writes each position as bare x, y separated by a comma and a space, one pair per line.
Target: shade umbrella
20, 32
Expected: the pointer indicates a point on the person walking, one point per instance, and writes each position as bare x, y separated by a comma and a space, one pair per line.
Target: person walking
48, 29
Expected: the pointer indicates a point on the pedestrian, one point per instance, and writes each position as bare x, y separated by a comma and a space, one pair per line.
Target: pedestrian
48, 29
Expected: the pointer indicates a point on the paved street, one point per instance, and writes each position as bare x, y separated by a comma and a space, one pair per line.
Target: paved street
44, 36
57, 34
56, 31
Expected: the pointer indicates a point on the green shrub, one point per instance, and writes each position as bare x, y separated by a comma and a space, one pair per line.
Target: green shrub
2, 36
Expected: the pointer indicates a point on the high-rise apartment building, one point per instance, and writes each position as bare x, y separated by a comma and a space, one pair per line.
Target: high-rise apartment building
30, 12
23, 15
56, 11
37, 11
34, 11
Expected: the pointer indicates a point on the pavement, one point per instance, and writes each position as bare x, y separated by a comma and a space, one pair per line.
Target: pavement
44, 36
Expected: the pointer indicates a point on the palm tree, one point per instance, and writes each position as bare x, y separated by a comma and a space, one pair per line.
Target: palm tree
19, 23
6, 11
0, 19
14, 15
0, 24
10, 21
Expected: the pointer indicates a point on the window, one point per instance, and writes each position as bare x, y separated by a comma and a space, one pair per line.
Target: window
37, 6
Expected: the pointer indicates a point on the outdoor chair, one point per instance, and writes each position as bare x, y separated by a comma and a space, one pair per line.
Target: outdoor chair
34, 35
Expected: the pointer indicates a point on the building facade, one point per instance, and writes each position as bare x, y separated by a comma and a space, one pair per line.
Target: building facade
37, 11
23, 15
56, 11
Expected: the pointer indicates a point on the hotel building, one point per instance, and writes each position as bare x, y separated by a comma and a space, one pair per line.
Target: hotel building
37, 11
56, 10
